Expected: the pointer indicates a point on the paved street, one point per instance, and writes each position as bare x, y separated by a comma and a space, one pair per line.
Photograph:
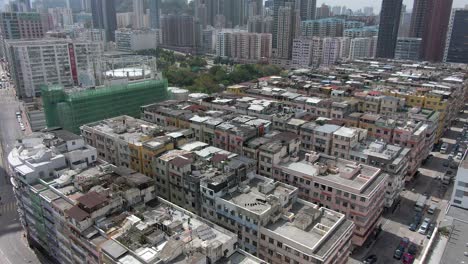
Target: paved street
13, 246
395, 224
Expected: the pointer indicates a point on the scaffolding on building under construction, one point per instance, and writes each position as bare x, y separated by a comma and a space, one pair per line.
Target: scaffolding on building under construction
70, 109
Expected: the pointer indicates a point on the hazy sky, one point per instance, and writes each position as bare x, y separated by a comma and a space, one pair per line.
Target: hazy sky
356, 4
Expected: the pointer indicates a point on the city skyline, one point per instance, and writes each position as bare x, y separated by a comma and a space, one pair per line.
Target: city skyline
233, 131
357, 4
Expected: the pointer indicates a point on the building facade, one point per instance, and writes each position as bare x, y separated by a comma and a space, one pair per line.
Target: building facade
135, 40
243, 46
40, 62
456, 49
408, 49
104, 17
388, 28
436, 24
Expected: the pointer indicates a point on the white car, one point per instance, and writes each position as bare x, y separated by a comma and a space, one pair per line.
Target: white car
459, 156
424, 226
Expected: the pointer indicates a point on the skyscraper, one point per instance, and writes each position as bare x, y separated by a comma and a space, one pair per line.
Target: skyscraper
435, 29
258, 6
234, 13
417, 18
289, 24
138, 14
336, 10
388, 28
276, 5
307, 9
323, 11
179, 32
154, 13
104, 16
456, 47
214, 8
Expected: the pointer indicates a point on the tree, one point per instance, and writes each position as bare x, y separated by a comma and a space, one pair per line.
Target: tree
197, 61
205, 83
179, 76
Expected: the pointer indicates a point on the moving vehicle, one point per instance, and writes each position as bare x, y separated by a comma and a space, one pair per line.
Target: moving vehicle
424, 226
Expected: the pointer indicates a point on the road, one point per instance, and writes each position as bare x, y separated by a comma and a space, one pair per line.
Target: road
395, 224
13, 246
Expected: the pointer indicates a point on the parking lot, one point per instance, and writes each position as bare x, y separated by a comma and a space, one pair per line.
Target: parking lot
429, 182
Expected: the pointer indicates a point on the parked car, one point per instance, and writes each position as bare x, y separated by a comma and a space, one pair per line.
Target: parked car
453, 165
445, 163
398, 252
444, 148
413, 226
417, 218
430, 230
413, 249
450, 156
408, 258
459, 156
432, 208
370, 259
404, 242
424, 226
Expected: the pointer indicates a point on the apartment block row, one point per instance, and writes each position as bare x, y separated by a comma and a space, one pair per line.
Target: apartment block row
82, 210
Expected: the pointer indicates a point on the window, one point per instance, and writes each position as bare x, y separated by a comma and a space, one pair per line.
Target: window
363, 199
279, 244
262, 236
459, 193
271, 240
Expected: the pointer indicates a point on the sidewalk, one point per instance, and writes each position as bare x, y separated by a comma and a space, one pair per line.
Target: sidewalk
438, 251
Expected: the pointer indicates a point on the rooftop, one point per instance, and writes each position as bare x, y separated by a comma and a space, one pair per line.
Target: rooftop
183, 232
126, 128
357, 177
311, 227
345, 132
455, 248
253, 197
